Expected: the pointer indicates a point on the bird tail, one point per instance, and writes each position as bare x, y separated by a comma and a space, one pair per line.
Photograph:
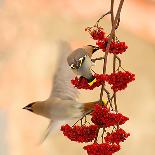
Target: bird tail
88, 106
46, 132
53, 125
91, 80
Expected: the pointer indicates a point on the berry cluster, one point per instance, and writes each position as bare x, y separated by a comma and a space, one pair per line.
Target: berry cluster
118, 80
102, 149
103, 117
82, 83
80, 133
116, 47
116, 137
96, 33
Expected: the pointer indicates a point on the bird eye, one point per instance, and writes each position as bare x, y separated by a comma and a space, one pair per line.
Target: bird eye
72, 66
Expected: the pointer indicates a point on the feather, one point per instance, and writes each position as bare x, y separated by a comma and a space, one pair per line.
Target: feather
62, 87
54, 125
47, 132
88, 106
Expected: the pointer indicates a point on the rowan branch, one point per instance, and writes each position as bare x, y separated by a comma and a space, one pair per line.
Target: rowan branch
114, 25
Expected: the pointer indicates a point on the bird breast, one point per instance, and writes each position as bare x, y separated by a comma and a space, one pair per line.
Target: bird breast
63, 109
85, 69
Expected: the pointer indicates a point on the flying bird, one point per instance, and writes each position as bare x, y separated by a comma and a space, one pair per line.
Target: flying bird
80, 62
62, 105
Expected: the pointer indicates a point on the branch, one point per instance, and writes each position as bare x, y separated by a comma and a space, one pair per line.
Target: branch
114, 25
96, 25
114, 70
111, 37
112, 12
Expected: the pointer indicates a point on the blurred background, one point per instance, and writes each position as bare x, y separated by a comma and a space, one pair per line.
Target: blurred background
29, 35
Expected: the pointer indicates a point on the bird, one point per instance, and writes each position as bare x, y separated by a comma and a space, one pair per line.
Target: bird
80, 62
61, 106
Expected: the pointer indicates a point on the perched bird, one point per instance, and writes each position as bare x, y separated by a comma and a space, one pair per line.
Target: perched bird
80, 62
61, 106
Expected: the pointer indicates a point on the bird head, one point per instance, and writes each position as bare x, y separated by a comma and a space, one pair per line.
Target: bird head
78, 56
76, 59
30, 107
37, 107
91, 49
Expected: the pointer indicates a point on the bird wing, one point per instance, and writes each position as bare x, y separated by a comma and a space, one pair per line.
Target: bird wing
54, 125
47, 131
62, 87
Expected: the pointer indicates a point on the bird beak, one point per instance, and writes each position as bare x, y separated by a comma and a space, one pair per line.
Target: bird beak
95, 49
24, 108
29, 107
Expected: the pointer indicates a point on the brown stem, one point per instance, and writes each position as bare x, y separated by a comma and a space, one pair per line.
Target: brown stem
112, 12
103, 133
89, 112
114, 70
115, 102
97, 132
119, 60
114, 63
108, 94
94, 60
110, 39
96, 25
118, 23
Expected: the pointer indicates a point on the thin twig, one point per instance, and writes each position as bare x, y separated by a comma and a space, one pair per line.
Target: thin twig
115, 102
94, 60
81, 121
96, 25
95, 140
123, 68
103, 133
108, 95
118, 23
93, 71
89, 112
119, 61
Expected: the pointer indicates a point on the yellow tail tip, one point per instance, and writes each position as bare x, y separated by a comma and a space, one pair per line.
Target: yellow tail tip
104, 102
92, 82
